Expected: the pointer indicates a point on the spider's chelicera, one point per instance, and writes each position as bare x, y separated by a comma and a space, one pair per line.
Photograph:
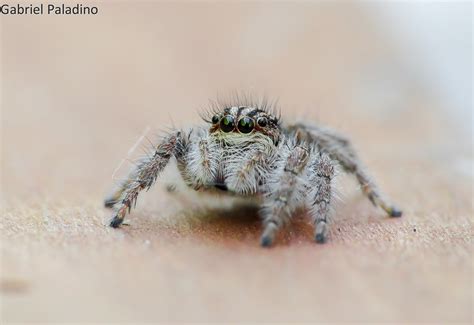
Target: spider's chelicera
247, 151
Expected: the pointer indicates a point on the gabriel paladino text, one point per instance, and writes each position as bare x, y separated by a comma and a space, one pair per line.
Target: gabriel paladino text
48, 9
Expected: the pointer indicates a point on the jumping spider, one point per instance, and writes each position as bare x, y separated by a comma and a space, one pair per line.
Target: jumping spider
247, 151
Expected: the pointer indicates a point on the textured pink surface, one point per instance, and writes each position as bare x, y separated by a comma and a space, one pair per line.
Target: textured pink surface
78, 92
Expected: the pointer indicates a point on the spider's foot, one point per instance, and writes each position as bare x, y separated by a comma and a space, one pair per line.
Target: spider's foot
395, 212
320, 232
268, 234
266, 241
320, 238
116, 222
391, 210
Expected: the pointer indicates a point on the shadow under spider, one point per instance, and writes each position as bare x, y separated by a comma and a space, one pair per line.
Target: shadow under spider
241, 223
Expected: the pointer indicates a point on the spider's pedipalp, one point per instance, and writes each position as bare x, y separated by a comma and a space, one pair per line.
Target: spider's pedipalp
199, 165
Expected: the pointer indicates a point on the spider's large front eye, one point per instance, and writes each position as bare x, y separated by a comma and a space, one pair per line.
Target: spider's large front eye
227, 123
215, 119
246, 125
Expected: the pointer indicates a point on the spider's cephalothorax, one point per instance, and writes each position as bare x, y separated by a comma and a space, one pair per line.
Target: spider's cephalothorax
246, 121
247, 151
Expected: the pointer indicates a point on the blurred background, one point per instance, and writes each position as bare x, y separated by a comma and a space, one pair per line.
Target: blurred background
78, 91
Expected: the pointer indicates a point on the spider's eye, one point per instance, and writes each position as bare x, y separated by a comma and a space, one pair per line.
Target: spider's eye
227, 123
215, 119
246, 125
262, 121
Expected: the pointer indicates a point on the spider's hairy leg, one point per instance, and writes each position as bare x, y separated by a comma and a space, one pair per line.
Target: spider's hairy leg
111, 200
143, 176
340, 148
320, 195
282, 199
375, 195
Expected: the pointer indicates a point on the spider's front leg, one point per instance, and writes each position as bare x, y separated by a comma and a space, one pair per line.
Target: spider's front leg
286, 190
340, 148
143, 177
320, 195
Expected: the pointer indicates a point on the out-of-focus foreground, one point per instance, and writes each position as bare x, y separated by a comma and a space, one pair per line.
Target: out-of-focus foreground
77, 92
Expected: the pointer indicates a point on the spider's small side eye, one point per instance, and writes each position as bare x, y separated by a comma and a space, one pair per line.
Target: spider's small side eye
246, 125
227, 123
262, 122
215, 119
